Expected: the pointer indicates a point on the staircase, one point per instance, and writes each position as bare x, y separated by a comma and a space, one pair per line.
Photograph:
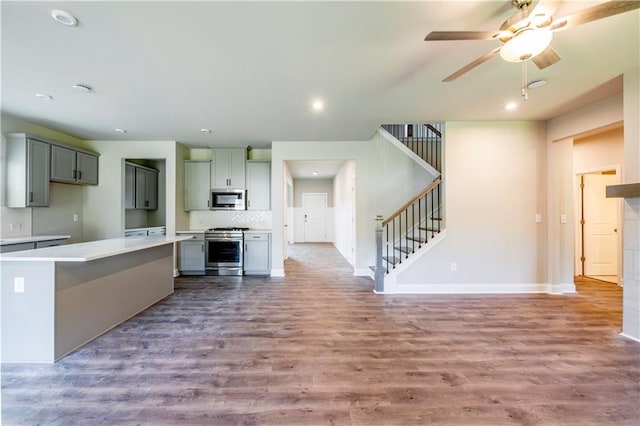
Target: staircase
413, 227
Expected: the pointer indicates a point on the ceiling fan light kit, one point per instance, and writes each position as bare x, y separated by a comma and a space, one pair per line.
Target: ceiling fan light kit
526, 44
527, 34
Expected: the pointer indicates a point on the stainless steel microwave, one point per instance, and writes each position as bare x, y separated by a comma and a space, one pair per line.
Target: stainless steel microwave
228, 199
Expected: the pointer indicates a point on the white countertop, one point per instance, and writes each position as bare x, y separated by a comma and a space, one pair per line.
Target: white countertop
32, 239
145, 228
192, 231
92, 250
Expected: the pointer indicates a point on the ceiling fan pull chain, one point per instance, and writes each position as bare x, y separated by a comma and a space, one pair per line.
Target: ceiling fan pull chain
525, 93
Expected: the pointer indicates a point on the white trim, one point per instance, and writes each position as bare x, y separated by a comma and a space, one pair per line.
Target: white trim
402, 147
626, 336
363, 272
508, 288
563, 288
277, 272
176, 273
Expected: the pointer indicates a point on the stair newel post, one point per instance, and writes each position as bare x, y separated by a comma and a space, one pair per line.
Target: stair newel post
379, 272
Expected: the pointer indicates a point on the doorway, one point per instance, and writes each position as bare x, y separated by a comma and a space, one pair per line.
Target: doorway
597, 233
314, 207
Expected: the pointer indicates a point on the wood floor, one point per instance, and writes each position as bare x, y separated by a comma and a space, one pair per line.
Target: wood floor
319, 348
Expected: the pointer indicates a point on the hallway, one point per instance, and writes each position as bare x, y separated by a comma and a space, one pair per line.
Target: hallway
318, 347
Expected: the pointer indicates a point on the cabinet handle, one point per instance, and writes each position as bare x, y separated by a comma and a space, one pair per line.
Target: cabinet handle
208, 203
75, 174
79, 174
31, 197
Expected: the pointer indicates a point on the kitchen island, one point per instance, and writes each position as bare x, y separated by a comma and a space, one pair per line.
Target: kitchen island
56, 299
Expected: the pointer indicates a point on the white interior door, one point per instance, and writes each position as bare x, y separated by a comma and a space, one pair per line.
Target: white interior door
314, 206
600, 226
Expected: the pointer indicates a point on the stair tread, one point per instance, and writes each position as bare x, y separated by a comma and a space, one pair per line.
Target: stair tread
417, 239
403, 249
391, 259
428, 228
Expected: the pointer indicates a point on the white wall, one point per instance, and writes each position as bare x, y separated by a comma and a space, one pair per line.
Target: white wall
344, 210
103, 205
380, 167
301, 186
494, 176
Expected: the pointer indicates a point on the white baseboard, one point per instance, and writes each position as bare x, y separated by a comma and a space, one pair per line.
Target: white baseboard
512, 288
363, 272
277, 272
562, 288
626, 336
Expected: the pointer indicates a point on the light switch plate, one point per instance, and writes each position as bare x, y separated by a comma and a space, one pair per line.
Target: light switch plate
563, 218
18, 284
538, 218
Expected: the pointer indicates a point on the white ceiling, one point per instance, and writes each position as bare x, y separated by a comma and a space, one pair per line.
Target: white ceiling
314, 169
249, 70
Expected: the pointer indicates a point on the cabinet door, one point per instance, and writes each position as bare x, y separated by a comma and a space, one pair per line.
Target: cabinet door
63, 164
10, 248
50, 243
237, 164
220, 168
257, 256
151, 190
141, 188
87, 166
197, 175
129, 186
38, 155
258, 185
191, 259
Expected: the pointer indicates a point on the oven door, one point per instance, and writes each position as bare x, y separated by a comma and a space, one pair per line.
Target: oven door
223, 256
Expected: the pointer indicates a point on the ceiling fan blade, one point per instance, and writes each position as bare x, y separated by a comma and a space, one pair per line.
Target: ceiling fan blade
547, 58
473, 64
460, 35
590, 14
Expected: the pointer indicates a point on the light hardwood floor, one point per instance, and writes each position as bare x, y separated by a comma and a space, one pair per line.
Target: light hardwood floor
318, 348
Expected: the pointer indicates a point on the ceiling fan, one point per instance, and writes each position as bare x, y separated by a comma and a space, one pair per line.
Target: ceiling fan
527, 34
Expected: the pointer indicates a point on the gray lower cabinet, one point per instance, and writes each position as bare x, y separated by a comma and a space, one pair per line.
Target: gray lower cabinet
31, 245
191, 256
257, 253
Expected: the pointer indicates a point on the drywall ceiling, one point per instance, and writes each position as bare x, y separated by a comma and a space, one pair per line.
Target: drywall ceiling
312, 169
250, 70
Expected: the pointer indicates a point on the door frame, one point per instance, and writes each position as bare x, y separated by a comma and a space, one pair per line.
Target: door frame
577, 199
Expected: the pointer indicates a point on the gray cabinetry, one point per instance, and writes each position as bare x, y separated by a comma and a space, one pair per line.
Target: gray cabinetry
8, 248
129, 187
258, 185
72, 166
146, 189
197, 183
141, 187
257, 253
27, 178
191, 256
228, 167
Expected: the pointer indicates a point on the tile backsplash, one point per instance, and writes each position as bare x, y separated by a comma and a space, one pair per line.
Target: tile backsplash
248, 219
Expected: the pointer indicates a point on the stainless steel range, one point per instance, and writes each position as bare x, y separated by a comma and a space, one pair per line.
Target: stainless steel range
224, 251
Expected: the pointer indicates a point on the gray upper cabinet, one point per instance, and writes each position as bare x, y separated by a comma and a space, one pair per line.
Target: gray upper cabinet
228, 167
197, 183
146, 189
129, 187
72, 166
27, 163
258, 185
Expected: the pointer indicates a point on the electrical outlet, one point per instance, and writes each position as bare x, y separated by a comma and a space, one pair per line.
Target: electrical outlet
18, 284
563, 218
75, 217
538, 218
453, 266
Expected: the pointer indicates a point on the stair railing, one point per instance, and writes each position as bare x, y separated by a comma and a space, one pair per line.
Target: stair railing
425, 140
406, 230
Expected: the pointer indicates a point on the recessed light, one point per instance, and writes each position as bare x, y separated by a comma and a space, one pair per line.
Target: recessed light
44, 96
511, 106
315, 173
82, 88
120, 131
65, 18
317, 105
205, 130
536, 83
